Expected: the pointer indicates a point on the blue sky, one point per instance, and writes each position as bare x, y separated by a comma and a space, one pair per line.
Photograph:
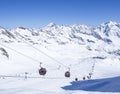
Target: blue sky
38, 13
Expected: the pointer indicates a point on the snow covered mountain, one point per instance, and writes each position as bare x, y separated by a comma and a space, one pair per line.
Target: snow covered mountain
80, 34
81, 48
5, 35
107, 34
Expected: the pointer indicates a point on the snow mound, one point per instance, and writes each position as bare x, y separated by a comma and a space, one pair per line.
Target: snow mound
99, 85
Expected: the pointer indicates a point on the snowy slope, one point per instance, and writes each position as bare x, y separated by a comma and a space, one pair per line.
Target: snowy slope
81, 48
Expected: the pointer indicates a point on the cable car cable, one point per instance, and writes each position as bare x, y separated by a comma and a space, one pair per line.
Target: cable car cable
43, 53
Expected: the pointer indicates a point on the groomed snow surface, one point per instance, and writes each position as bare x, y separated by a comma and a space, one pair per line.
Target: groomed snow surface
105, 78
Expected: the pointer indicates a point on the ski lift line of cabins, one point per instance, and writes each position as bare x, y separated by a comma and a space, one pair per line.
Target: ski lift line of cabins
42, 71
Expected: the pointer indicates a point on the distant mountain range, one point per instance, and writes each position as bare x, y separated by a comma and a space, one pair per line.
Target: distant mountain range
105, 36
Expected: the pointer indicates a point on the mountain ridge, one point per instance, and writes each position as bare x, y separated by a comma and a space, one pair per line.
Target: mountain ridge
106, 32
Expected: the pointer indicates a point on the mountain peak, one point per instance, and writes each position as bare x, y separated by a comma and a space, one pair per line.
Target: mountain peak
51, 24
110, 23
21, 27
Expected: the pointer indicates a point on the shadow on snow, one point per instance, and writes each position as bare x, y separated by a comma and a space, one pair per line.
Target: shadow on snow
99, 85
